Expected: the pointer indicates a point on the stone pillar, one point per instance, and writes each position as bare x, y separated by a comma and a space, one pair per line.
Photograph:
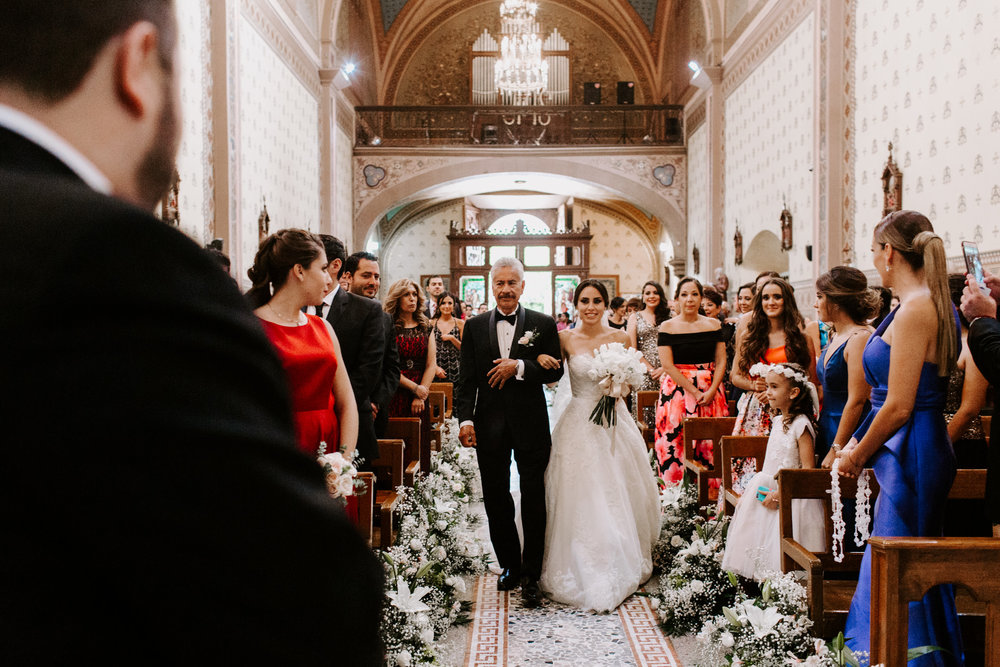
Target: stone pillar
715, 253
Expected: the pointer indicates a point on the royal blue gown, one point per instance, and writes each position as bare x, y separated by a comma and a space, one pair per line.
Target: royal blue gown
831, 370
914, 468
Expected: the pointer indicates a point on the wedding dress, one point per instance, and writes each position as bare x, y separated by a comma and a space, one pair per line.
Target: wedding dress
602, 502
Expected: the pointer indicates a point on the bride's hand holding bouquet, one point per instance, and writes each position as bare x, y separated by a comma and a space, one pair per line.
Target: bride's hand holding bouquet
616, 369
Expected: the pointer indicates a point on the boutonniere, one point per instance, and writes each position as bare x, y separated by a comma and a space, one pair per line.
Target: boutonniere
528, 339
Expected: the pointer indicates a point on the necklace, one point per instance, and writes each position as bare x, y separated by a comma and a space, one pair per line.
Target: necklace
296, 322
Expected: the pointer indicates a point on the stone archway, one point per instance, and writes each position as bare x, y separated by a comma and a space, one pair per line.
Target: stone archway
654, 182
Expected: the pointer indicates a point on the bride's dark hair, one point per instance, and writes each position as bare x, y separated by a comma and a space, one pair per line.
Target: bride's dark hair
597, 285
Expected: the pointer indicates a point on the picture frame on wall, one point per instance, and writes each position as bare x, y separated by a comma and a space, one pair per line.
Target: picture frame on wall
610, 283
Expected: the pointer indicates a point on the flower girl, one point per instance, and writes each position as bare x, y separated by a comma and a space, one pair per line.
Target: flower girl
753, 545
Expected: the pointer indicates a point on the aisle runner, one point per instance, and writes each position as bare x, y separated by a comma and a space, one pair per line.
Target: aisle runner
505, 633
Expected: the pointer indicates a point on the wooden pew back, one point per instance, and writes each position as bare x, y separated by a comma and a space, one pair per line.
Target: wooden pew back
646, 400
408, 429
738, 446
448, 389
712, 430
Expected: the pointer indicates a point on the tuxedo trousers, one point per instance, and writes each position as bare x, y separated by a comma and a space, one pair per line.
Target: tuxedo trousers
496, 440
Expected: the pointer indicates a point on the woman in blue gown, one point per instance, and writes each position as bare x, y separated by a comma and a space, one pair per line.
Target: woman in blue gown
843, 300
907, 361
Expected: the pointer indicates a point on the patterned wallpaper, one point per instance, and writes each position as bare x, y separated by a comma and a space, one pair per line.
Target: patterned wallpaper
769, 135
343, 204
927, 80
279, 142
194, 158
698, 214
421, 247
618, 248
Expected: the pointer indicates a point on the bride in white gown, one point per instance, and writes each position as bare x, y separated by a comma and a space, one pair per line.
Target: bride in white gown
603, 507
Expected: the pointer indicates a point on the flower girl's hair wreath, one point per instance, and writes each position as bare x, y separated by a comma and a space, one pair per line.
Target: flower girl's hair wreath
806, 403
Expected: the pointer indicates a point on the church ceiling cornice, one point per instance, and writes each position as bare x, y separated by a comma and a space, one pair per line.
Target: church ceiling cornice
417, 20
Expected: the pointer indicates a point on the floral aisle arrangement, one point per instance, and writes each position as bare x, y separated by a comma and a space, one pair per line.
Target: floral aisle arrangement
678, 518
436, 547
695, 586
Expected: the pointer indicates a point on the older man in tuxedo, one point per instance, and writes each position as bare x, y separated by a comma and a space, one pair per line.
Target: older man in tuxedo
153, 507
359, 325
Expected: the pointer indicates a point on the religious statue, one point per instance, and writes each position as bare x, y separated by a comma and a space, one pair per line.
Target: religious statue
738, 246
721, 283
892, 186
786, 228
263, 224
169, 207
696, 259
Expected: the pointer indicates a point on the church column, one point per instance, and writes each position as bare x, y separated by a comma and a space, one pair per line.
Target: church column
225, 139
715, 253
327, 187
832, 233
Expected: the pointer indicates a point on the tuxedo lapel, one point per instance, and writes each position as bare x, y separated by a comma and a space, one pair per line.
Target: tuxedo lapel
522, 315
337, 307
494, 341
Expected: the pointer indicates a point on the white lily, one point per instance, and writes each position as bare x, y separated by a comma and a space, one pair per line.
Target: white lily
762, 620
407, 601
443, 506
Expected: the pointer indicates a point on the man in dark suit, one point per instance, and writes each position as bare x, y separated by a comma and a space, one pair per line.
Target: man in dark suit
153, 507
984, 343
362, 273
435, 288
501, 408
358, 324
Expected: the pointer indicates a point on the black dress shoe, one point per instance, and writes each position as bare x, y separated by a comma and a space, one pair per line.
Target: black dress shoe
508, 580
531, 594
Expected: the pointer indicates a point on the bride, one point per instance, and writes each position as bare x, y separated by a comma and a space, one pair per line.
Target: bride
602, 503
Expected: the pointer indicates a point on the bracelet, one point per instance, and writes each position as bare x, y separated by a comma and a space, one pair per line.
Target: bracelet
835, 447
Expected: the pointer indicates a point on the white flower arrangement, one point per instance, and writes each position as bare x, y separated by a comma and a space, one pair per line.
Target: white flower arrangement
529, 338
678, 519
341, 474
616, 369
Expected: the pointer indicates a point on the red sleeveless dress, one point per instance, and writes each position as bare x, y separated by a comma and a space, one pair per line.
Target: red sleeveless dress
308, 356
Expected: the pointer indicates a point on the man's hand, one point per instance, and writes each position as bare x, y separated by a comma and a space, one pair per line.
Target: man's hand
975, 303
993, 283
374, 409
503, 370
467, 435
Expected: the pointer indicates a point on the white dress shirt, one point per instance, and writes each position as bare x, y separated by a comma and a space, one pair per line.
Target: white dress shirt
505, 341
29, 128
327, 302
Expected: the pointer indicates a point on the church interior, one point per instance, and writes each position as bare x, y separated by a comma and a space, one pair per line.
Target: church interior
709, 138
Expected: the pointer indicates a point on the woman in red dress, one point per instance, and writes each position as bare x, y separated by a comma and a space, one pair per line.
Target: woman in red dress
288, 274
417, 354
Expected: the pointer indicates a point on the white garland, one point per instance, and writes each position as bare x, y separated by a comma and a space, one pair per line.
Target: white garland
862, 511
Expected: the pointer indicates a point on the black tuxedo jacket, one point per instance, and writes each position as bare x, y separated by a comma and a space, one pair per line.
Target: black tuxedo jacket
357, 321
389, 379
521, 400
984, 343
153, 506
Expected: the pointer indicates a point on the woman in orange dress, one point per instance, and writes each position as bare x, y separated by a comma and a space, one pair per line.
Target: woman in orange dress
773, 333
288, 274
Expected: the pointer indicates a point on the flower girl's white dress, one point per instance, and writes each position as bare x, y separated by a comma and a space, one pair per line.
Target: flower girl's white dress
753, 542
603, 508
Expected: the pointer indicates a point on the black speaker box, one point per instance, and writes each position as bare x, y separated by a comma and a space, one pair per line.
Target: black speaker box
626, 92
592, 92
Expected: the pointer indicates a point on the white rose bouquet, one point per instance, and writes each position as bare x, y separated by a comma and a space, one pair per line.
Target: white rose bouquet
616, 369
341, 475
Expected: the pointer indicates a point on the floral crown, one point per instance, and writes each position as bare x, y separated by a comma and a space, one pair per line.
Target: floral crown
795, 376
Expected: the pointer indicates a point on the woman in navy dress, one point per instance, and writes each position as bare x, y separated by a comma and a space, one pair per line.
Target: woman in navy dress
844, 301
907, 361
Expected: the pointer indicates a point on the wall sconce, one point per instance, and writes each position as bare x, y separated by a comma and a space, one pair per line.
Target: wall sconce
342, 78
700, 79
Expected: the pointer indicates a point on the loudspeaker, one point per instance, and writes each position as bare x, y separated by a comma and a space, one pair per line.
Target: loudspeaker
489, 135
626, 92
591, 92
673, 130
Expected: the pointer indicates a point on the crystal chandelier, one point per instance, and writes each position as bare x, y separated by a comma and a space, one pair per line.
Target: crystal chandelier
521, 74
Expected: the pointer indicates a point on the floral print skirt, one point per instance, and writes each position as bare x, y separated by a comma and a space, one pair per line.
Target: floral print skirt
674, 407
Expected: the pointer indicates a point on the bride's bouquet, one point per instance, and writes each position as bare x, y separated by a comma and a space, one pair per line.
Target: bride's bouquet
341, 475
616, 369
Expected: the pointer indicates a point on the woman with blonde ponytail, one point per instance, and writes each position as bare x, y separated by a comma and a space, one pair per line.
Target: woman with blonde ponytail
904, 437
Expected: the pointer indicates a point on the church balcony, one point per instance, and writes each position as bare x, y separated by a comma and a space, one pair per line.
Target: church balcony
512, 127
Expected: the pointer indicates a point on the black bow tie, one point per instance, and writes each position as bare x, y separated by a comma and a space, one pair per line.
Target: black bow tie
512, 318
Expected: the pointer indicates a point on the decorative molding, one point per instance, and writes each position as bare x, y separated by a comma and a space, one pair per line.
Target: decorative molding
642, 168
693, 119
345, 116
302, 63
762, 41
210, 226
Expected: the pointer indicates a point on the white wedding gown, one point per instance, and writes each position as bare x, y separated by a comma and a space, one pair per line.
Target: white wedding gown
603, 508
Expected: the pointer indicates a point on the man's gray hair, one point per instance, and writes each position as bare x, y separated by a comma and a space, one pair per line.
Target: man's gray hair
508, 262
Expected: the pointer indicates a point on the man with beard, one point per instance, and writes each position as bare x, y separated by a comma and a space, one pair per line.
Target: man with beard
362, 272
154, 507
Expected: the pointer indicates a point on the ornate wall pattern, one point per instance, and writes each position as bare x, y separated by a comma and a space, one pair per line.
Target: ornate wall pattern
699, 224
618, 248
194, 158
420, 247
343, 209
769, 139
278, 142
439, 72
927, 81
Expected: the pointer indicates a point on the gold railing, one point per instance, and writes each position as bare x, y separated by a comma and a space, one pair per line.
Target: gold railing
605, 125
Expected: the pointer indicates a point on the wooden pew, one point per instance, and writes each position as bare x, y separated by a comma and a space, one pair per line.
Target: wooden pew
712, 429
644, 400
436, 402
987, 424
738, 446
389, 475
448, 390
408, 429
366, 506
829, 599
904, 568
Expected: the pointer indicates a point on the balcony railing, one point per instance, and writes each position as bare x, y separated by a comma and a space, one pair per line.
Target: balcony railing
659, 125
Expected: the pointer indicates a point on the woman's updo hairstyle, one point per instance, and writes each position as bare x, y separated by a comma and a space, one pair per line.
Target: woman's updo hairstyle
847, 288
912, 235
596, 284
685, 280
277, 255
